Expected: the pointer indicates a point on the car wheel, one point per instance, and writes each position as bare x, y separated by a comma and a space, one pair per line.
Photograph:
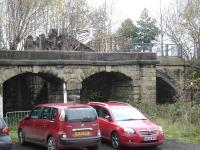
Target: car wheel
51, 145
93, 147
21, 137
115, 140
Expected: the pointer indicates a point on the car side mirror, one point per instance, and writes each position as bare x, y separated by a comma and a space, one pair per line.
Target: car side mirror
27, 117
107, 117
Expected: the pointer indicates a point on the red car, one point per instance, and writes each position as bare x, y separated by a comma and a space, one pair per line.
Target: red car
59, 126
123, 124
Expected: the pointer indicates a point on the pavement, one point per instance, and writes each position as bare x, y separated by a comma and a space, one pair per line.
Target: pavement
167, 145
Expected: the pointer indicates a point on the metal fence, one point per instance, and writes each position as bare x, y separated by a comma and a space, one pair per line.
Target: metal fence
12, 118
122, 44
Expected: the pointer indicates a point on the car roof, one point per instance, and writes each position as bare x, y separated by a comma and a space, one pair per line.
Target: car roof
109, 104
64, 105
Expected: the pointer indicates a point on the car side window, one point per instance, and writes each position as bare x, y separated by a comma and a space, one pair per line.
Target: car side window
97, 110
35, 114
54, 113
46, 113
104, 113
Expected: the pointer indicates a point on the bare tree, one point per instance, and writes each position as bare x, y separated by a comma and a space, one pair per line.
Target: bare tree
192, 23
21, 18
67, 15
183, 26
100, 19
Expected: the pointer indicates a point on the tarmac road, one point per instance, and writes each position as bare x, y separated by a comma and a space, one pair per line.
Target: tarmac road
168, 145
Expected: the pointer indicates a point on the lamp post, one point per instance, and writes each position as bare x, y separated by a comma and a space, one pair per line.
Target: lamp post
161, 28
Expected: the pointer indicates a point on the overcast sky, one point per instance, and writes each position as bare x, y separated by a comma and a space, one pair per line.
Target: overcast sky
123, 9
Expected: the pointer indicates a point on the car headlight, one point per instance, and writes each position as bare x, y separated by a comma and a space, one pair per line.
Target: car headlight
63, 137
129, 130
160, 128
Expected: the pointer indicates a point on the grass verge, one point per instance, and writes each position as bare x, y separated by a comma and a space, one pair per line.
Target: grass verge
182, 132
14, 135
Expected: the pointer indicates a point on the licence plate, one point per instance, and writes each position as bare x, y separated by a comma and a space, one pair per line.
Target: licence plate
81, 133
150, 138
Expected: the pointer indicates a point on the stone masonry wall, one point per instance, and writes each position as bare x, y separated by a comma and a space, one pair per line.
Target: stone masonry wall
74, 67
73, 76
148, 83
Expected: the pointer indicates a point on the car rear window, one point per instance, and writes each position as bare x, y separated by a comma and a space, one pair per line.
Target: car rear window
80, 114
2, 123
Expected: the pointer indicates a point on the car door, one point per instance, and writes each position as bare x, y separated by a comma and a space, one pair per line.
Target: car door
30, 124
105, 122
42, 125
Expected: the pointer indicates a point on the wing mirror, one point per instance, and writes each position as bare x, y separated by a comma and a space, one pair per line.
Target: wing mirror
27, 117
107, 117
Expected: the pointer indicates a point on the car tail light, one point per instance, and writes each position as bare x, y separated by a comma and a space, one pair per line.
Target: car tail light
5, 130
98, 133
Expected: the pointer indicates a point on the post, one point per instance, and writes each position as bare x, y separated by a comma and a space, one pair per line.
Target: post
166, 50
1, 100
191, 93
161, 28
64, 92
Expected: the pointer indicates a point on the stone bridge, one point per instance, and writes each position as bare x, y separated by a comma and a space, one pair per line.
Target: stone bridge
31, 77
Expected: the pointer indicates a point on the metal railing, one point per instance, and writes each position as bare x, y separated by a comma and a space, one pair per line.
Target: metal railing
122, 44
12, 118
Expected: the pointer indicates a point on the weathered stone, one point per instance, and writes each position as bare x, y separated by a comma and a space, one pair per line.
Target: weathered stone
73, 68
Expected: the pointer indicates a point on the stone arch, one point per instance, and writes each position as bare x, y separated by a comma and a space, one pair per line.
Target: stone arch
166, 90
104, 86
26, 89
8, 73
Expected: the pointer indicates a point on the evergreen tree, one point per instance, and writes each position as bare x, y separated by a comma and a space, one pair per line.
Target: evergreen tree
128, 29
147, 29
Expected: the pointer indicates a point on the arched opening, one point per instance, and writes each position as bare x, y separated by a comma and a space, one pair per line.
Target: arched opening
105, 86
165, 93
24, 91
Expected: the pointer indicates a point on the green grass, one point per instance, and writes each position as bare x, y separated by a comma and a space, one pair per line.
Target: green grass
183, 132
13, 134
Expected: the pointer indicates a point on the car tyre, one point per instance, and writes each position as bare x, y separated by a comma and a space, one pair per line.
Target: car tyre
115, 140
51, 144
21, 137
93, 147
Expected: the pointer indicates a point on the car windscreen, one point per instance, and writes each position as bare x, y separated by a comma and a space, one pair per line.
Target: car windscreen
127, 113
80, 114
2, 123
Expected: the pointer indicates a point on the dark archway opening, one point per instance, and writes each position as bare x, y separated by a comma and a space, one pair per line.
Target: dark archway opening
24, 91
105, 86
164, 92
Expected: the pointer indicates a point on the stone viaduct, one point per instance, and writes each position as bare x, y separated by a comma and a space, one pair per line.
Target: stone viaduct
31, 77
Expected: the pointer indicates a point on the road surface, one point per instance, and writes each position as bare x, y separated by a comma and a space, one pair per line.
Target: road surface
168, 145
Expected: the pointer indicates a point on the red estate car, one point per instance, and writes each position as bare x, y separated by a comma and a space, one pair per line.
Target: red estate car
123, 124
59, 126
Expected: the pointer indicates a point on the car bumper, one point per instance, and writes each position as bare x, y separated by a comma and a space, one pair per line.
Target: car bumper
79, 142
138, 141
7, 146
5, 142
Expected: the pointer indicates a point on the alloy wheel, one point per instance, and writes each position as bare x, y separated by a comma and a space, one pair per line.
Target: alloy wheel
51, 144
21, 137
115, 140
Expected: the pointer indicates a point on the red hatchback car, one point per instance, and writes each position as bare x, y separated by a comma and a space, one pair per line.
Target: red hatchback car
123, 124
59, 126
